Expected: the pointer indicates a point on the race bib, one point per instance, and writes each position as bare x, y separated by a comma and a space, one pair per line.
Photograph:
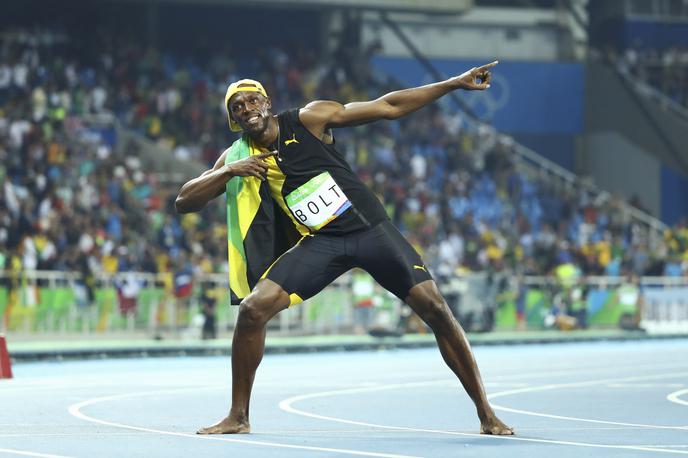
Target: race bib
317, 202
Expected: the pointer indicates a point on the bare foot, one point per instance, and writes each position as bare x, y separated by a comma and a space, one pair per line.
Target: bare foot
496, 427
227, 426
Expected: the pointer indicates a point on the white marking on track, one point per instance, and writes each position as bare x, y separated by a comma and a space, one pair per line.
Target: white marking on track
80, 434
287, 405
675, 397
578, 385
75, 410
25, 453
553, 373
645, 385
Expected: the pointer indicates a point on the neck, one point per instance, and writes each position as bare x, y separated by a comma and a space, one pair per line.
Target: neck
268, 137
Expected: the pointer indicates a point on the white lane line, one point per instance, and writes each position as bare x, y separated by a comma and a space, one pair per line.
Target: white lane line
584, 369
25, 453
75, 410
579, 385
646, 385
94, 433
340, 432
287, 406
675, 397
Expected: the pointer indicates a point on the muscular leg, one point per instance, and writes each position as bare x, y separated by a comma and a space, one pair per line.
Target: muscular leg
248, 344
426, 300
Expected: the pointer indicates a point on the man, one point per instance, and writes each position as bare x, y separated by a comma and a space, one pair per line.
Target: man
209, 304
342, 223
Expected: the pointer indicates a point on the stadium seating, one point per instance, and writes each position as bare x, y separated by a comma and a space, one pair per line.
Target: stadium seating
72, 200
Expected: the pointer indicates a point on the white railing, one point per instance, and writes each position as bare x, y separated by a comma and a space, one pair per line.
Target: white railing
54, 302
602, 281
662, 302
49, 302
648, 90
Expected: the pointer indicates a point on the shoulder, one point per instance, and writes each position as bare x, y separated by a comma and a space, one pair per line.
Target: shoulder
318, 114
320, 109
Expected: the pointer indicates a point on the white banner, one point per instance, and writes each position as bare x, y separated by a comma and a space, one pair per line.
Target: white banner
665, 310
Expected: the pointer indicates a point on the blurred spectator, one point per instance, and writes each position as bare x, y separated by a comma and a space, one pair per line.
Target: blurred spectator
630, 297
209, 305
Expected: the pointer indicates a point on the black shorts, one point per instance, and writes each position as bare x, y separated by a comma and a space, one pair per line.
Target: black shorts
317, 260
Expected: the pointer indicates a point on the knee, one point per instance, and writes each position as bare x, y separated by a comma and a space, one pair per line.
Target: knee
431, 307
436, 313
253, 313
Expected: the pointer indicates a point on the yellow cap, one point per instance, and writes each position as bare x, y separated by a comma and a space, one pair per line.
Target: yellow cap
246, 85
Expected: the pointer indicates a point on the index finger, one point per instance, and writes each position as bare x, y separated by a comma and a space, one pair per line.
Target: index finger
269, 154
487, 66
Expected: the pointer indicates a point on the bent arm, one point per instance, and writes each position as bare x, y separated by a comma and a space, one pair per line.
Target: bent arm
196, 193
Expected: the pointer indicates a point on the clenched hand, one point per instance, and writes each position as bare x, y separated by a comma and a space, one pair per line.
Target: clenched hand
252, 166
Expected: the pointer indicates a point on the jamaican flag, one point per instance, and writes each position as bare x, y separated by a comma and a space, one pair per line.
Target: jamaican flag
258, 232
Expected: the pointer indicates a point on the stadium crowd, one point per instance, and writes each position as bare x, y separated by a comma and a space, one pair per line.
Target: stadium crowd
73, 198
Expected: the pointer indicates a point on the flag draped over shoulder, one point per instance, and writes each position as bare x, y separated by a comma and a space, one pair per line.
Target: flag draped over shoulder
257, 231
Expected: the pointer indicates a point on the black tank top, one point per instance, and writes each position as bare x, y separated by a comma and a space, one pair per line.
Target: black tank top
316, 186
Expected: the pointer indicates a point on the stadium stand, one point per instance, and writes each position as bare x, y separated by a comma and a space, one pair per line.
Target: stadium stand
72, 203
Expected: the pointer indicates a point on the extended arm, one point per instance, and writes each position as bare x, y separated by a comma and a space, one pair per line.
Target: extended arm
196, 193
321, 115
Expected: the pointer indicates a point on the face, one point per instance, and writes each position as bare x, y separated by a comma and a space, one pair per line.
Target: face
251, 110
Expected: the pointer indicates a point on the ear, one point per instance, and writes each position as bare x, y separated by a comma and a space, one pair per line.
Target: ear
269, 102
229, 112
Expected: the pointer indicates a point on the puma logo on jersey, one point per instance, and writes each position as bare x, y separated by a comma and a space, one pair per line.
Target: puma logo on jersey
293, 140
420, 268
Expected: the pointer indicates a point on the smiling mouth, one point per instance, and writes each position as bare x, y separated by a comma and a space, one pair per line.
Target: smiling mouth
253, 120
